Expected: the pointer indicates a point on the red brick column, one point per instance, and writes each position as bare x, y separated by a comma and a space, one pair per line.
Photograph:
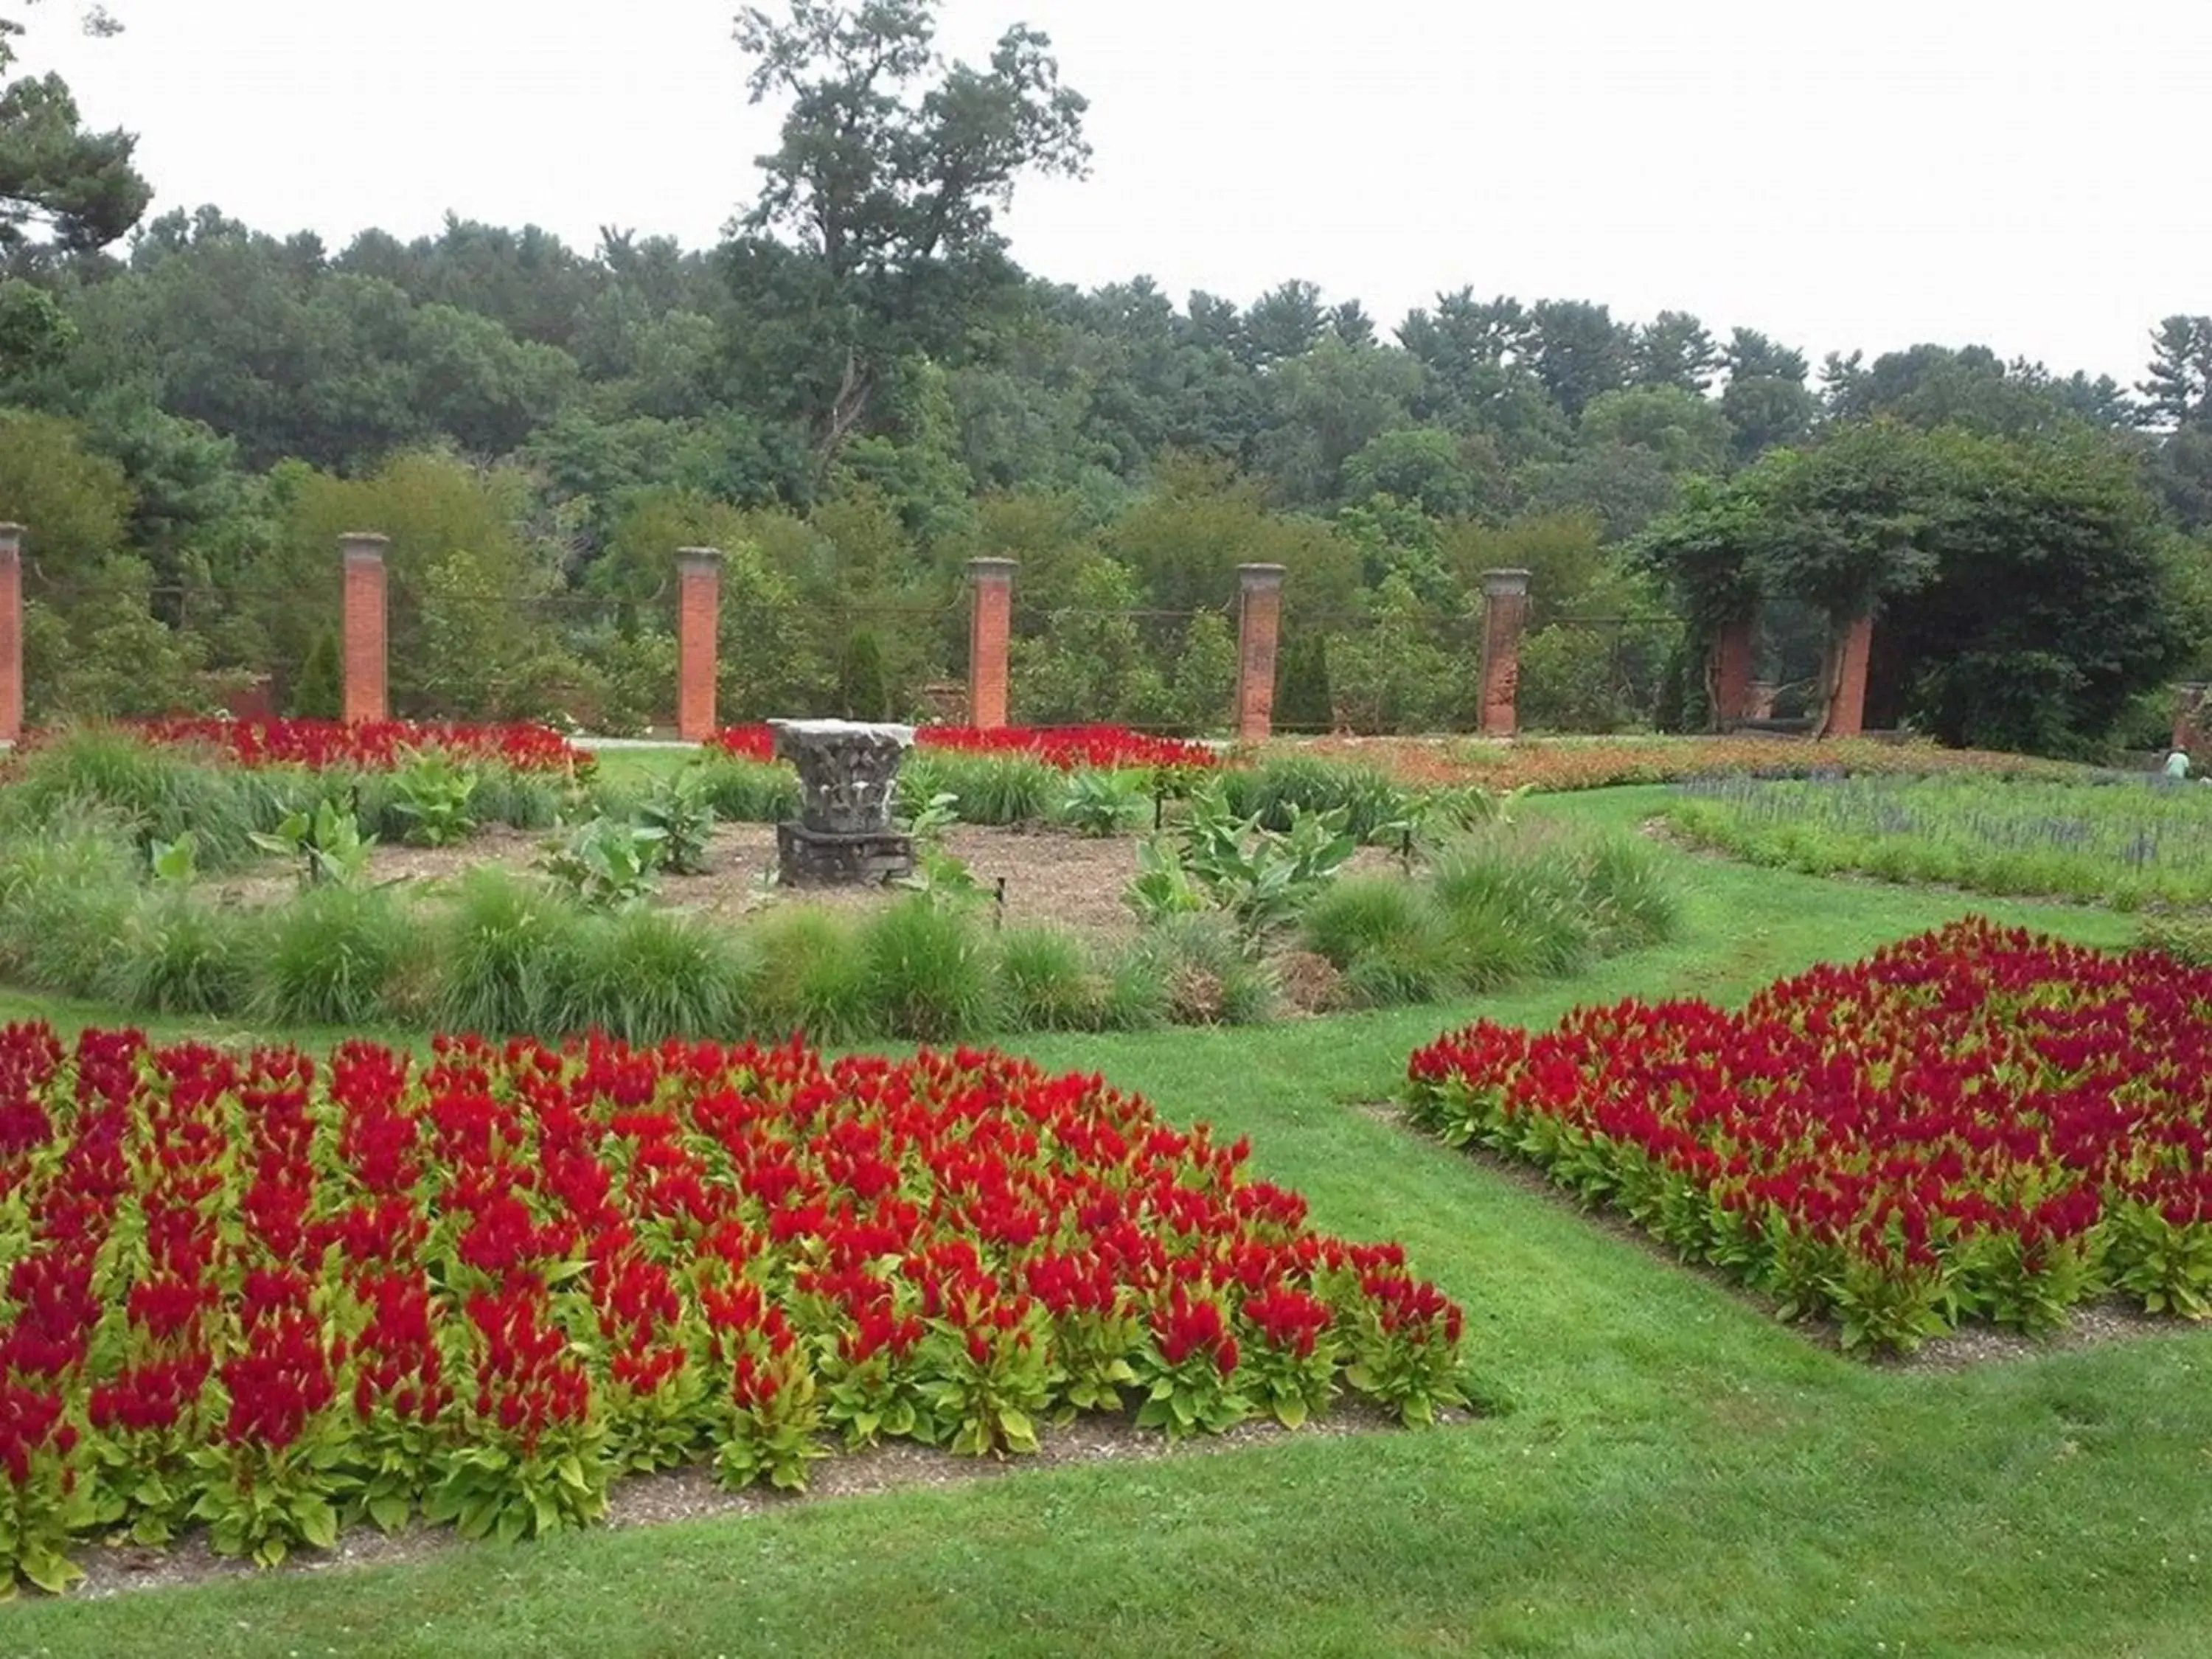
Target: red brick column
1505, 610
1730, 669
698, 633
11, 633
365, 697
1847, 712
2192, 720
1259, 623
990, 629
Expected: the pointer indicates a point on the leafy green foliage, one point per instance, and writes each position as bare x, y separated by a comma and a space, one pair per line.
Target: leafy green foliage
678, 804
607, 864
432, 791
326, 841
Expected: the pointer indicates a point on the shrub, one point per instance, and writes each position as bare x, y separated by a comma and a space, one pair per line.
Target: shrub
1373, 805
326, 957
431, 793
928, 971
607, 864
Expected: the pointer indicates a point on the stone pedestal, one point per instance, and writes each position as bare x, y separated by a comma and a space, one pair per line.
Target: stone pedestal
848, 780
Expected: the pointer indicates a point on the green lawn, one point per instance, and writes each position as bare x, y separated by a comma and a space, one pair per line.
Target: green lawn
1676, 1475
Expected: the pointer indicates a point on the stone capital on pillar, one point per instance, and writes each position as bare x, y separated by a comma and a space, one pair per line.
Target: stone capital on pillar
1505, 610
1259, 629
698, 640
363, 627
1505, 584
990, 636
11, 633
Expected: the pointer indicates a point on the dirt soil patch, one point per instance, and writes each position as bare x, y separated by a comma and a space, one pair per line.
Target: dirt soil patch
1050, 875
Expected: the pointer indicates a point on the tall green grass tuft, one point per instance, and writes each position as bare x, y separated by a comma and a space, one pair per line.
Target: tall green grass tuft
66, 890
1630, 893
1516, 907
647, 975
1390, 938
327, 957
813, 975
1207, 976
1049, 982
991, 789
159, 793
749, 791
178, 954
928, 971
507, 952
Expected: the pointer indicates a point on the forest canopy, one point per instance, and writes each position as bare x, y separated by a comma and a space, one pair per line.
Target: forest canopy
859, 389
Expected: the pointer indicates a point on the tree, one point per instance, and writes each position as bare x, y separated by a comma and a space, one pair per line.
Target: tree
2024, 586
2178, 391
1766, 402
1445, 476
1675, 349
76, 190
1577, 351
891, 173
1683, 431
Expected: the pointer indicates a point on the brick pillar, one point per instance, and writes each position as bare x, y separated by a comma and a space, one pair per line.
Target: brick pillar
1847, 712
1259, 623
2192, 720
990, 628
698, 635
11, 633
1730, 669
1504, 610
365, 696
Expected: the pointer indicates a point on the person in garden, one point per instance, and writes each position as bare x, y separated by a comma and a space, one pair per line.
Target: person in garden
2177, 765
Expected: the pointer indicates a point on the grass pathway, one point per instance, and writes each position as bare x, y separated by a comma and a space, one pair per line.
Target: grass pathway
1676, 1474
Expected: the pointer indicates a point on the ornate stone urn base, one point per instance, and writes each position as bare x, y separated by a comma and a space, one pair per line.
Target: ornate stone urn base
848, 780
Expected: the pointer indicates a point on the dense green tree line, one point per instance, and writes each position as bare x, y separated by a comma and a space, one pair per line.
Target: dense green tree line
858, 390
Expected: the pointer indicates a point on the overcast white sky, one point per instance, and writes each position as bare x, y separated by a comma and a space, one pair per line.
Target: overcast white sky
1865, 174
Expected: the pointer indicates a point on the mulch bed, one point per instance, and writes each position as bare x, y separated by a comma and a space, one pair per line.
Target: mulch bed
1050, 875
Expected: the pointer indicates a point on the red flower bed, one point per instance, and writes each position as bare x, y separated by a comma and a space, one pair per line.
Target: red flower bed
273, 1295
1974, 1123
377, 746
1069, 748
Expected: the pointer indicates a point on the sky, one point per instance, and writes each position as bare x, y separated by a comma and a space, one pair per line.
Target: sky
1865, 175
